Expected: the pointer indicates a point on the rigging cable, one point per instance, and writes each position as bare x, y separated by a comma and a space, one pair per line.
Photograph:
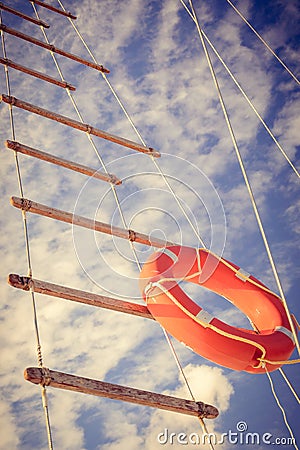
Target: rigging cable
263, 41
282, 409
186, 382
250, 103
257, 215
27, 246
246, 179
289, 384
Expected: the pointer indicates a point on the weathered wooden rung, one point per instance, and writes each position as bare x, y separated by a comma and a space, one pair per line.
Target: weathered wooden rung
21, 148
35, 73
78, 125
63, 216
76, 295
52, 48
23, 16
89, 386
52, 8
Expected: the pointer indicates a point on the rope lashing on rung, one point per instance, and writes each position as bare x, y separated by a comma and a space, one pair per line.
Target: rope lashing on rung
46, 377
26, 204
131, 235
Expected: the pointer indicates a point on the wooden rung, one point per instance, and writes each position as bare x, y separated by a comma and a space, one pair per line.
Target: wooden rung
75, 295
63, 216
89, 386
35, 73
16, 146
78, 125
52, 8
23, 16
52, 48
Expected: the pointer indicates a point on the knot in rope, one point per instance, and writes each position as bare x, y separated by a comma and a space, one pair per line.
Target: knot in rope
131, 235
46, 377
26, 204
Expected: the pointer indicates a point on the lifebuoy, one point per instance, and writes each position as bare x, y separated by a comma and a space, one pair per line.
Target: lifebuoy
235, 348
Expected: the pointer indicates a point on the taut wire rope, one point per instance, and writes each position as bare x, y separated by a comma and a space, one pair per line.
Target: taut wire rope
257, 215
250, 103
289, 384
263, 41
282, 409
181, 371
246, 179
28, 255
240, 88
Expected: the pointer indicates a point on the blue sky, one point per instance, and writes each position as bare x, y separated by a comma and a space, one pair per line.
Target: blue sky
159, 71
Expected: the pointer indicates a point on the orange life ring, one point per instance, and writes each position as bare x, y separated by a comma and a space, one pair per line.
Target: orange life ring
235, 348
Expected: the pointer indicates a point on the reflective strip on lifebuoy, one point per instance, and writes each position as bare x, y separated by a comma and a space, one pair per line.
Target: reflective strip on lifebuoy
235, 348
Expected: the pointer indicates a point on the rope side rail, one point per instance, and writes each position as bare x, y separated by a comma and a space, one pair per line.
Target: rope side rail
89, 386
52, 8
88, 298
78, 125
28, 253
63, 216
35, 73
52, 48
23, 16
71, 165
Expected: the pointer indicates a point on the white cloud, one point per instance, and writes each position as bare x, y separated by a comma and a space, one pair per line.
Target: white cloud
141, 428
209, 384
10, 438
